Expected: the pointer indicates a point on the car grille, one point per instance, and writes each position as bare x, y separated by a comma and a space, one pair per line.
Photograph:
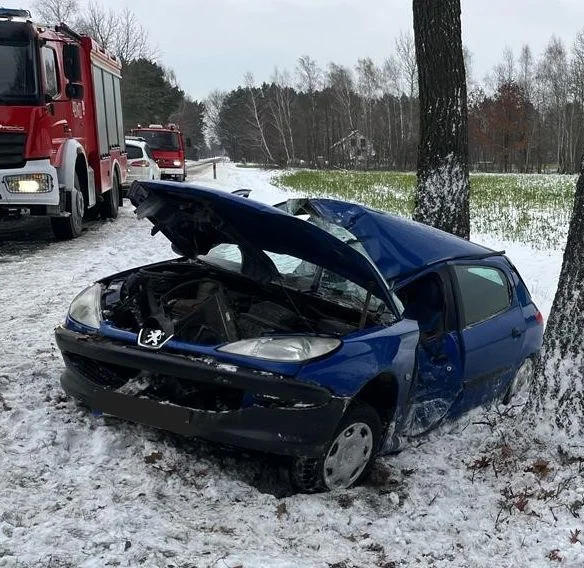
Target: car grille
163, 388
12, 150
103, 374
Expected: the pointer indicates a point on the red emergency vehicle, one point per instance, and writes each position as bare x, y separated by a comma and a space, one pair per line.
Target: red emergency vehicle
168, 149
62, 151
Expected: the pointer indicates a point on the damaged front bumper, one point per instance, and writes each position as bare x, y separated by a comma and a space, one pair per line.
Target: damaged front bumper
235, 406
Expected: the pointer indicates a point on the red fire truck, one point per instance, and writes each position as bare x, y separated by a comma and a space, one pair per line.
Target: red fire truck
62, 151
168, 149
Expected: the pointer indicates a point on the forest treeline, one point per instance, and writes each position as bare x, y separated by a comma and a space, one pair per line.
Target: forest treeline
527, 115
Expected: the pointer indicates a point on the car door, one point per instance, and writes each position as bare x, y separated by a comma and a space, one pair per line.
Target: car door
492, 330
437, 384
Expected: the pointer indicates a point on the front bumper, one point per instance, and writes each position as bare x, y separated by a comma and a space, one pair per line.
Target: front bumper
172, 172
23, 200
302, 428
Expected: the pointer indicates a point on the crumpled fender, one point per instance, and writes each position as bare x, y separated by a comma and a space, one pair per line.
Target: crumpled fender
365, 355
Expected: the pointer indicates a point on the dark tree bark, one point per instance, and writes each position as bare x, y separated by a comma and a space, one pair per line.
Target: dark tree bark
558, 388
442, 196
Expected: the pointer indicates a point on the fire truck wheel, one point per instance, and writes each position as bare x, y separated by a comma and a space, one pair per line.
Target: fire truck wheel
65, 228
111, 201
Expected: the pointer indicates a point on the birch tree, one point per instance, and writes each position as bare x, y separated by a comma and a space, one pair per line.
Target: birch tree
257, 120
310, 81
442, 195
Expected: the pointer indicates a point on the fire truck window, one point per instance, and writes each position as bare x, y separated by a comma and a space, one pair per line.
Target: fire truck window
50, 66
100, 110
18, 76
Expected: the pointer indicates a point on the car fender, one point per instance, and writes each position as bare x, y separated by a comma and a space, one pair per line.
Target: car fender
67, 159
365, 355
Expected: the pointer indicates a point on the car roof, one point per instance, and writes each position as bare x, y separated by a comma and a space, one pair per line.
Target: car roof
134, 142
398, 246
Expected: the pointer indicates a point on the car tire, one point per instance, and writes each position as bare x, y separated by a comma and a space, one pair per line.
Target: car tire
66, 228
518, 389
349, 456
111, 200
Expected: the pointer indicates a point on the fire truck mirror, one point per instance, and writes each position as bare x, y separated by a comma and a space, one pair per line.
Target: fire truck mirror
74, 91
189, 143
72, 62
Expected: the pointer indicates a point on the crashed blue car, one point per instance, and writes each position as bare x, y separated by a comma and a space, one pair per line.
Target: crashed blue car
316, 329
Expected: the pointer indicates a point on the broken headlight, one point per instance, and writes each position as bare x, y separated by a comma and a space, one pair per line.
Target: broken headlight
289, 348
86, 307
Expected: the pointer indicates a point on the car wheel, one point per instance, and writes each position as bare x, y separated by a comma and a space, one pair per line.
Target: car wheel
349, 456
111, 201
518, 389
65, 228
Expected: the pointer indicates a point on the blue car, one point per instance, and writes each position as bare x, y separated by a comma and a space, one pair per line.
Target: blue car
320, 330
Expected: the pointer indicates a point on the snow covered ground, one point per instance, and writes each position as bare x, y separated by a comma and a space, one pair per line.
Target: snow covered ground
84, 491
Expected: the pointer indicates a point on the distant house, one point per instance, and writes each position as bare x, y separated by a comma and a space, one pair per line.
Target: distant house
354, 149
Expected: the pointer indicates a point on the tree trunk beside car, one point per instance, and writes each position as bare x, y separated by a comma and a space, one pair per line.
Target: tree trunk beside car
442, 195
558, 388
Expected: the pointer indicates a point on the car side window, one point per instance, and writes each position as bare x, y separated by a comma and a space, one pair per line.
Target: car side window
484, 291
134, 152
148, 152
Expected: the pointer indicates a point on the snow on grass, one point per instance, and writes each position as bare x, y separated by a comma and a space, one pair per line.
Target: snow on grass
78, 490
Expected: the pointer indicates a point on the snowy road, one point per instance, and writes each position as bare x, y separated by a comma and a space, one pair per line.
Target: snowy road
84, 491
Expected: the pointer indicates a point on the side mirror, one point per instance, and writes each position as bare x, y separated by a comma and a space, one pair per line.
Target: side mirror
189, 143
72, 62
74, 91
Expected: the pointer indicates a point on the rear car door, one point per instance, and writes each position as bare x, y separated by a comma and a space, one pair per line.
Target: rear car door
492, 329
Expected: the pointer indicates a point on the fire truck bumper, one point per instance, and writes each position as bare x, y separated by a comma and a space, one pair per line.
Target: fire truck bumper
172, 172
35, 184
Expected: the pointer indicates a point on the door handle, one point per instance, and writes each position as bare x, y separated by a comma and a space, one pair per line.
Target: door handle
516, 332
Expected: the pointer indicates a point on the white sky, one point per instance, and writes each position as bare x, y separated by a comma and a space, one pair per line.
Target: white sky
212, 43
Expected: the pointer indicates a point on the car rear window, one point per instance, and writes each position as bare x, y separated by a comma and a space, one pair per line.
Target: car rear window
134, 152
484, 291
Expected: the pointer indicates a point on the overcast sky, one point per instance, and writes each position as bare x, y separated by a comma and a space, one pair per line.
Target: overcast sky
211, 43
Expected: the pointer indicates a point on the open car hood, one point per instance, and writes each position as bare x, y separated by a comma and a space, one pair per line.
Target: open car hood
195, 219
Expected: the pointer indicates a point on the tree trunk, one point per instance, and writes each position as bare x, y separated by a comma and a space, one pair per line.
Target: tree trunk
558, 388
442, 197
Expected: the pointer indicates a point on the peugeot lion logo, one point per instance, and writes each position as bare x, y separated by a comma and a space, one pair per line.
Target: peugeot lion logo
152, 338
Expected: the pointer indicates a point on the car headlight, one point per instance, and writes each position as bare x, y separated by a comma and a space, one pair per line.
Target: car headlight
177, 163
289, 348
29, 183
86, 307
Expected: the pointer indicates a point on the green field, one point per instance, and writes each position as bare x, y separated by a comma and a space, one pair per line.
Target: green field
528, 208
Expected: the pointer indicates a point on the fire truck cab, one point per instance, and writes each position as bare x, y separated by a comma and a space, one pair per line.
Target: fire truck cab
168, 149
62, 151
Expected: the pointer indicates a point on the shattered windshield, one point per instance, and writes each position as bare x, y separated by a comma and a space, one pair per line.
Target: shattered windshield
299, 275
18, 79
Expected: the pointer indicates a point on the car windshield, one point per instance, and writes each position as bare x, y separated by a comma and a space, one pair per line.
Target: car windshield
300, 275
163, 140
18, 80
